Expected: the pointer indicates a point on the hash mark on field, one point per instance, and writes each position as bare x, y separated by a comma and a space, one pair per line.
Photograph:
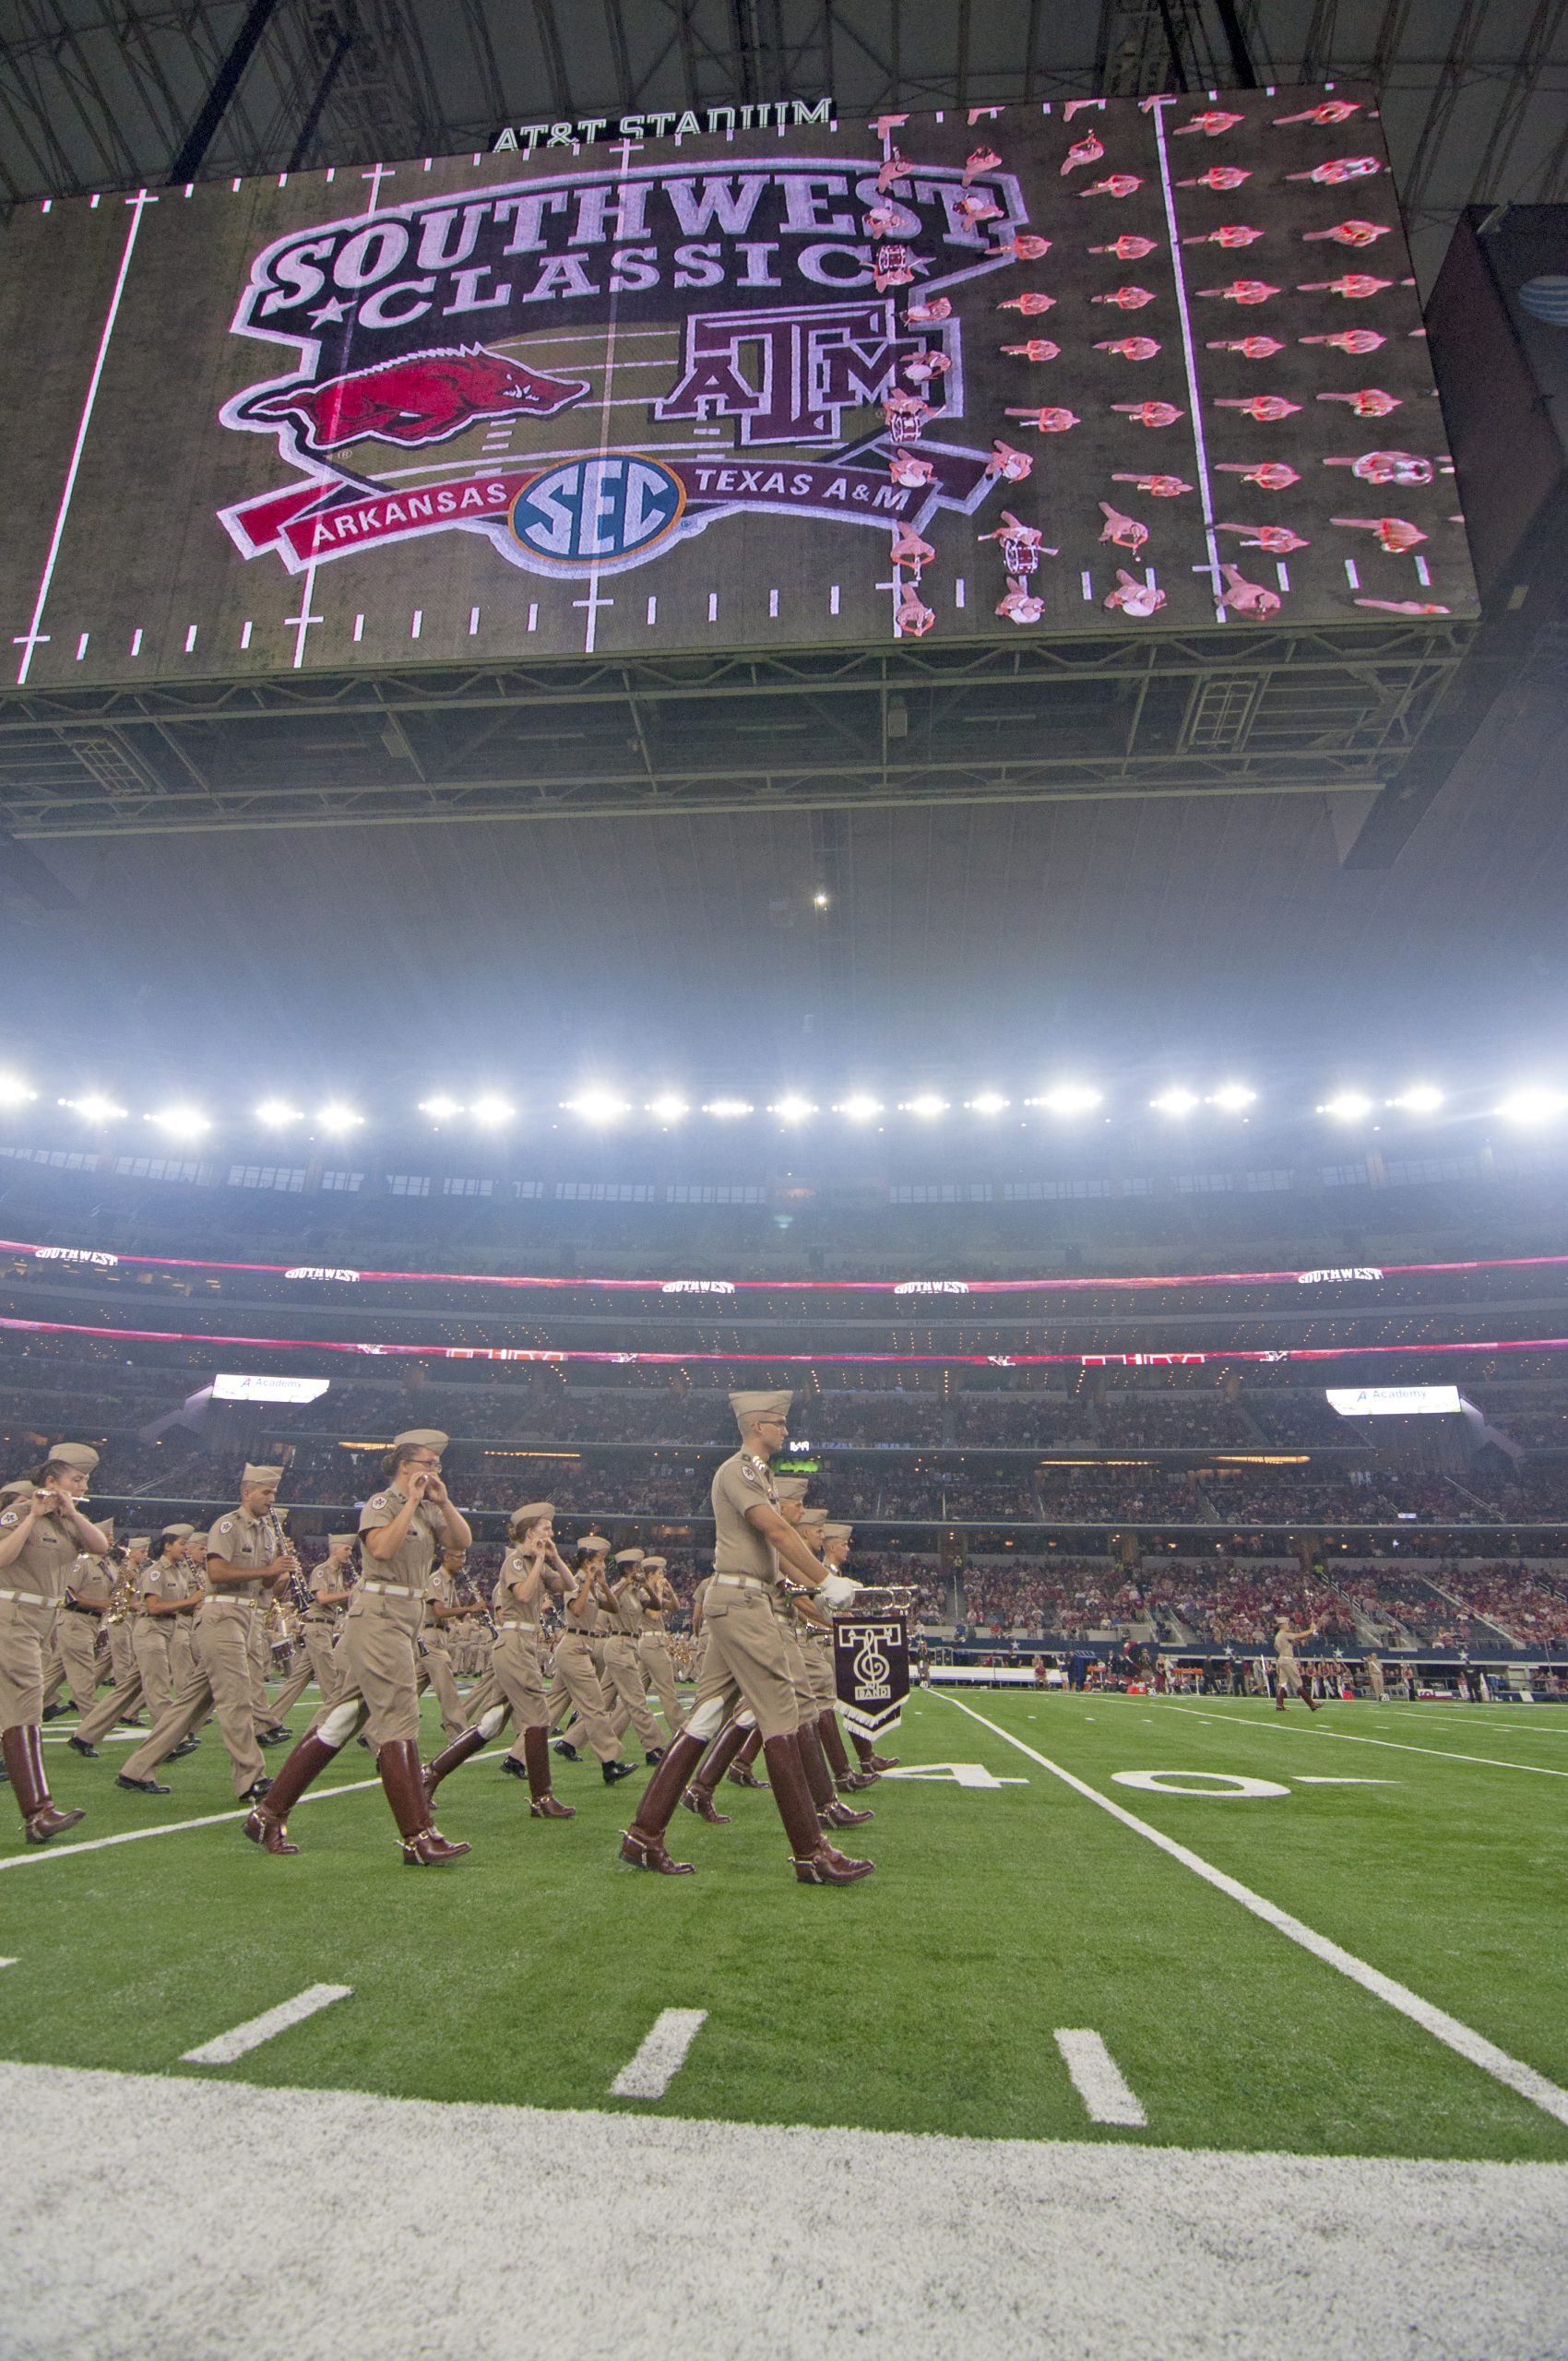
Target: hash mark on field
7, 1963
226, 2047
661, 2057
1099, 2081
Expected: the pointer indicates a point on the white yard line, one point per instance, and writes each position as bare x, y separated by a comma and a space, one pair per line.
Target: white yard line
1097, 2078
225, 2048
1468, 2043
7, 1963
211, 1820
1299, 1728
660, 2056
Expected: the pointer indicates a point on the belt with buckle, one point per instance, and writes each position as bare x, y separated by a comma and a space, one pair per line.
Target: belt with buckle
393, 1590
29, 1598
511, 1624
742, 1582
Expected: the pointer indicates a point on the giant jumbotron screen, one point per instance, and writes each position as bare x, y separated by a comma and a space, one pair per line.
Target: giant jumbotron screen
1100, 364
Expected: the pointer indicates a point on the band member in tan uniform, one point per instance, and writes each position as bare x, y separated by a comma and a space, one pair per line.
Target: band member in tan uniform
328, 1587
182, 1643
441, 1605
401, 1527
817, 1641
86, 1600
835, 1550
531, 1569
575, 1671
246, 1560
1287, 1673
746, 1660
658, 1599
161, 1586
621, 1665
42, 1533
119, 1627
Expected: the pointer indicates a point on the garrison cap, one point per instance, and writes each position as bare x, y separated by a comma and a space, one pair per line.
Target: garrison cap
254, 1474
814, 1519
176, 1533
72, 1454
836, 1532
138, 1541
790, 1488
592, 1545
200, 1537
654, 1565
747, 1406
342, 1540
420, 1439
19, 1489
530, 1513
628, 1557
106, 1526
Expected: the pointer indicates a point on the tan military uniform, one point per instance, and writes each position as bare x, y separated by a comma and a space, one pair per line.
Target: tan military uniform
150, 1681
515, 1667
221, 1675
92, 1581
747, 1658
1287, 1669
654, 1657
377, 1653
623, 1673
319, 1627
31, 1588
184, 1662
575, 1679
1374, 1677
120, 1637
435, 1657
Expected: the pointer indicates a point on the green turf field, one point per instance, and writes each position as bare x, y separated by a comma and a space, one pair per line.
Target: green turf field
926, 2000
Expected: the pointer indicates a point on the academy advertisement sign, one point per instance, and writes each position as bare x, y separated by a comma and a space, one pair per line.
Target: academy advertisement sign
762, 384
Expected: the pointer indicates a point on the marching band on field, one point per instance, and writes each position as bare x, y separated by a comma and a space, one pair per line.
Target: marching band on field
188, 1618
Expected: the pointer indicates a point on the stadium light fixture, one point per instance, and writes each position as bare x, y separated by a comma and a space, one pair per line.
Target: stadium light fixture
988, 1102
336, 1117
1422, 1098
94, 1107
1069, 1099
1232, 1097
927, 1104
668, 1107
792, 1107
276, 1114
182, 1122
440, 1108
821, 901
1347, 1107
1532, 1104
597, 1106
728, 1111
14, 1091
859, 1107
1175, 1101
491, 1110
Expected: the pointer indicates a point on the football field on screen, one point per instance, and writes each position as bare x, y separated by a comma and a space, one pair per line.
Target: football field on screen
1425, 1846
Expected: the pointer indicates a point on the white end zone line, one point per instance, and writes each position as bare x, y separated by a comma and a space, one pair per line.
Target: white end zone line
660, 2056
211, 1820
1349, 1738
1468, 2043
1107, 2095
225, 2048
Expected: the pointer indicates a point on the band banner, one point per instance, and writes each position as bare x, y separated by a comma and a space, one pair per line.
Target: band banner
871, 1668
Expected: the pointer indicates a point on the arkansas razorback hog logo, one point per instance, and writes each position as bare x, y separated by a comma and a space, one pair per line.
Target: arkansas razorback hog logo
427, 398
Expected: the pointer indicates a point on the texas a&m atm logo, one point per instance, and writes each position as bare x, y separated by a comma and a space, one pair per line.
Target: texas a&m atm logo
588, 367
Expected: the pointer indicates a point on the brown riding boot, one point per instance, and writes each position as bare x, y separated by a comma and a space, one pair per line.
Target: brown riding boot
870, 1759
536, 1761
847, 1782
22, 1747
741, 1773
816, 1861
467, 1742
424, 1847
697, 1795
642, 1845
819, 1779
267, 1824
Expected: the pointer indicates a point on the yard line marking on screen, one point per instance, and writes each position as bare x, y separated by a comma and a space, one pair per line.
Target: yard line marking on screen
225, 2048
1107, 2094
1461, 2038
138, 205
660, 2056
1348, 1737
1179, 273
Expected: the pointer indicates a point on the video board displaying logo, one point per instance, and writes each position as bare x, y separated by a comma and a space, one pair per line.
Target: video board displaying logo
1023, 369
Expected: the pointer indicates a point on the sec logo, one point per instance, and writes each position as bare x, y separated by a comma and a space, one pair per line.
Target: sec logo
592, 511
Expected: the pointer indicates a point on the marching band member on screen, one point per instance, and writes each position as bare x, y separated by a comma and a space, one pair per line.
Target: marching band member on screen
532, 1569
43, 1531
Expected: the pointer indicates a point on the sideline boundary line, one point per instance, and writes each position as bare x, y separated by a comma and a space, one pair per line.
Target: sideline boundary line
42, 1853
1463, 2039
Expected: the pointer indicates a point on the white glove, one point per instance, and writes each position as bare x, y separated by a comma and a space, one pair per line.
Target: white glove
837, 1590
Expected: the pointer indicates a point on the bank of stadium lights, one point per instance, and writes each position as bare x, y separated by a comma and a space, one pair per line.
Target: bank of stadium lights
927, 1104
1232, 1099
597, 1106
858, 1108
276, 1114
181, 1122
668, 1107
14, 1091
793, 1109
439, 1109
1175, 1102
1532, 1105
492, 1110
1068, 1098
728, 1111
94, 1107
1347, 1107
1421, 1098
336, 1117
988, 1102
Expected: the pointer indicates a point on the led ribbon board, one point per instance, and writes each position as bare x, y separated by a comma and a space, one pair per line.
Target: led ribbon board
1106, 363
